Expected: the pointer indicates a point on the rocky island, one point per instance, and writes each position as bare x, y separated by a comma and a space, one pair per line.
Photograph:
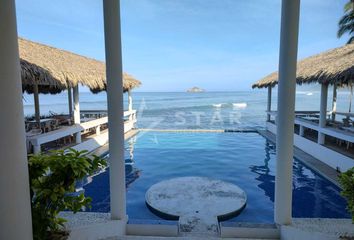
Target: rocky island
195, 90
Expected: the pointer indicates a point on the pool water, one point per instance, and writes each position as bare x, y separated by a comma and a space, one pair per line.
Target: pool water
245, 159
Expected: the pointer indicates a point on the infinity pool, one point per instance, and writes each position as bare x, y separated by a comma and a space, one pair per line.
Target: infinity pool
245, 159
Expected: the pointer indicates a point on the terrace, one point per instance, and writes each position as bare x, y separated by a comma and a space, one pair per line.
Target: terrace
46, 69
326, 135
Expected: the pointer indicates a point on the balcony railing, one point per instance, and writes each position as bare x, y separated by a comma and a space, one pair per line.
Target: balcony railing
92, 120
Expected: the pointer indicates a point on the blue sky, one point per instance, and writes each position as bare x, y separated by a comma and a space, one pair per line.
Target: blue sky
172, 45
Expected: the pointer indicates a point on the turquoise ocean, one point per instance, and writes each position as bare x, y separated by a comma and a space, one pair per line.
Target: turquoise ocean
180, 110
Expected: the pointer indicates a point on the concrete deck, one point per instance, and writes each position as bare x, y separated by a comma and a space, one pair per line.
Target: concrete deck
197, 202
315, 164
180, 238
318, 229
301, 228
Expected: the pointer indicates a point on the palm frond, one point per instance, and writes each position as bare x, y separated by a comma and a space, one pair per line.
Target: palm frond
349, 6
346, 22
347, 18
347, 28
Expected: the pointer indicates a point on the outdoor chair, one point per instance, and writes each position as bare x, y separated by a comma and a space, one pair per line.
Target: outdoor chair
54, 124
347, 122
62, 119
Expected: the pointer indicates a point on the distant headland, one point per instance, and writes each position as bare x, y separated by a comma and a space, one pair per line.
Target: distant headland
195, 90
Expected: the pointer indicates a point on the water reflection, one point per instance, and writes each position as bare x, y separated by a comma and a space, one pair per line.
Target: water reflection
312, 195
267, 180
97, 186
131, 172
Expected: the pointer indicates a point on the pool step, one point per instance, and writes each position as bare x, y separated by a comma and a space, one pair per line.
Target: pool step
182, 238
143, 229
249, 230
162, 228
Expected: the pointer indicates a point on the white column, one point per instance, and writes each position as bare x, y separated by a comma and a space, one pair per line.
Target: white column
37, 114
130, 101
111, 9
70, 102
36, 148
98, 130
286, 108
269, 103
77, 112
323, 112
130, 104
15, 207
334, 102
302, 131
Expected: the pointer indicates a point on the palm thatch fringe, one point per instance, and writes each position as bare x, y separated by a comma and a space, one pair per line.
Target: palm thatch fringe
54, 70
335, 66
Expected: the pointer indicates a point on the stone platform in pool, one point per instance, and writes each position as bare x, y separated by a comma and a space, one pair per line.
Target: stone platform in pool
198, 202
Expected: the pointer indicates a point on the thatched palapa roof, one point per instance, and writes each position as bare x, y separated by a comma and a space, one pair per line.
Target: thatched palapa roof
55, 70
335, 66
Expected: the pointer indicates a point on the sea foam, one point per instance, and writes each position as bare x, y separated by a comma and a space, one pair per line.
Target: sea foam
240, 105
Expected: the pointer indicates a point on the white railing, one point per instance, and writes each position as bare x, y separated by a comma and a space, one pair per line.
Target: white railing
344, 135
298, 113
345, 114
130, 116
65, 131
93, 113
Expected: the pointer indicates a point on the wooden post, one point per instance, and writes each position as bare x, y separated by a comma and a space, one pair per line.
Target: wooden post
37, 113
334, 102
269, 103
70, 102
77, 112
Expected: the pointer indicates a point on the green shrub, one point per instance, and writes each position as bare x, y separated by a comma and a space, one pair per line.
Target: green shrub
52, 185
346, 180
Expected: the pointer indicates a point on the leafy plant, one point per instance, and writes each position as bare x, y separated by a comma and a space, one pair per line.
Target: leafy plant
346, 179
52, 183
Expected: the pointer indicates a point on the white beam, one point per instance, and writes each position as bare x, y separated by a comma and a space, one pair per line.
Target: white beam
269, 103
111, 9
77, 111
334, 102
15, 207
323, 112
286, 110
